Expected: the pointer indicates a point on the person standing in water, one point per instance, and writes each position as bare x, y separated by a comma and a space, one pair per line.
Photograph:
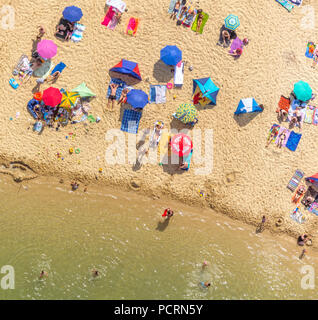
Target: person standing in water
95, 273
43, 274
302, 254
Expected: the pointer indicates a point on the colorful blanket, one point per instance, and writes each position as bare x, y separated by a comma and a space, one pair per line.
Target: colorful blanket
77, 34
283, 104
236, 43
130, 122
275, 127
195, 23
310, 50
293, 141
281, 131
309, 114
295, 180
287, 5
157, 94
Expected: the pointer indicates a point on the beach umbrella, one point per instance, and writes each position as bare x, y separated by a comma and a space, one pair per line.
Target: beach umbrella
302, 91
137, 98
186, 113
248, 105
181, 144
83, 91
72, 13
171, 55
52, 97
128, 68
204, 91
232, 22
69, 99
47, 49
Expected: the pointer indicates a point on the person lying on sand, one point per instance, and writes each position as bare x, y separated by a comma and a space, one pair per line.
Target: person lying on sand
296, 119
300, 192
175, 10
281, 139
123, 97
200, 19
272, 136
226, 36
236, 53
112, 96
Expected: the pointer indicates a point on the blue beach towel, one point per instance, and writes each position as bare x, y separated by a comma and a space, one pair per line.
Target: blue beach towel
121, 85
287, 5
130, 122
157, 94
293, 141
59, 67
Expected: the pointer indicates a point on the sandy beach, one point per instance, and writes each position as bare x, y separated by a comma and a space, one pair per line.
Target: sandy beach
247, 180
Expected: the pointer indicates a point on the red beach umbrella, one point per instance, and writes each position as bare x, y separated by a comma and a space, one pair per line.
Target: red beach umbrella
181, 144
52, 97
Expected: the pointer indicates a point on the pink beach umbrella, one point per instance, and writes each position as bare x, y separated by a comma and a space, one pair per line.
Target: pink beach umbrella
47, 49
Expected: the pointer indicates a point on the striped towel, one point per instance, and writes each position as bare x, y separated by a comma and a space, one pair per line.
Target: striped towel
130, 122
77, 34
121, 86
287, 5
295, 180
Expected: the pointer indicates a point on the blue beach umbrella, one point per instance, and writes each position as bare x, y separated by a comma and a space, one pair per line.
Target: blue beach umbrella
232, 22
72, 13
171, 55
137, 98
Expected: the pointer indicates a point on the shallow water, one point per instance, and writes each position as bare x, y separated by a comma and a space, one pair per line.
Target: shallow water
46, 226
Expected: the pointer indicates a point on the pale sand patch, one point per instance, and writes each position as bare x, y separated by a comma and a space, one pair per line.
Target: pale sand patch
248, 180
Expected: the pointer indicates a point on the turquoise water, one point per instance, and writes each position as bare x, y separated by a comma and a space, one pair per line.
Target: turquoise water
47, 227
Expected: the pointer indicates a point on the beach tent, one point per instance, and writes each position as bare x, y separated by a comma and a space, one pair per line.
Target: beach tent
302, 91
186, 113
248, 105
313, 179
127, 67
137, 98
118, 4
171, 55
72, 13
204, 91
83, 91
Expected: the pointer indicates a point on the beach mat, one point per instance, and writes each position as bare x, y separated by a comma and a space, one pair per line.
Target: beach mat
236, 44
310, 50
287, 132
157, 94
287, 5
293, 141
132, 26
309, 114
295, 180
130, 122
204, 21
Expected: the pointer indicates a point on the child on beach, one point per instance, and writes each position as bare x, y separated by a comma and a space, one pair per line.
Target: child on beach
175, 10
112, 96
302, 254
168, 213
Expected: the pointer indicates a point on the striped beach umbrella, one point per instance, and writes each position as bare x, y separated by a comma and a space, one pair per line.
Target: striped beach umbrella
69, 99
232, 22
186, 113
181, 144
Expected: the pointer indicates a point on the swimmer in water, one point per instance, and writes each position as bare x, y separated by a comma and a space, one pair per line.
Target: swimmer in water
205, 264
95, 273
43, 274
206, 284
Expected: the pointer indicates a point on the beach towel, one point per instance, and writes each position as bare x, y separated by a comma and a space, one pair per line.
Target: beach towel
178, 74
158, 94
59, 67
294, 197
297, 216
188, 160
287, 5
309, 114
77, 34
236, 43
287, 133
274, 127
121, 86
130, 122
315, 117
113, 22
283, 104
111, 12
314, 208
293, 141
295, 180
172, 5
189, 18
132, 26
310, 50
297, 3
204, 21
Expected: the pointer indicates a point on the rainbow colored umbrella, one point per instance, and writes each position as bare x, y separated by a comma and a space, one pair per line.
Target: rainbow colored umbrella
232, 22
47, 49
52, 97
186, 113
69, 99
181, 144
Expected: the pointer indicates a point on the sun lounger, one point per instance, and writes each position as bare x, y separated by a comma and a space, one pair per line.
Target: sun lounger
295, 180
157, 94
130, 121
179, 74
77, 34
22, 65
287, 5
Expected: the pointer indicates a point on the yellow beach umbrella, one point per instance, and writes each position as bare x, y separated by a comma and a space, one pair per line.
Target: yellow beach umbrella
69, 99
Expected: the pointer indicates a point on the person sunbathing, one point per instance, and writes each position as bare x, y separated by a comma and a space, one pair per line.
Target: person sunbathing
64, 29
272, 136
199, 21
296, 119
299, 193
182, 12
112, 96
123, 97
175, 10
53, 77
281, 139
308, 201
282, 115
315, 59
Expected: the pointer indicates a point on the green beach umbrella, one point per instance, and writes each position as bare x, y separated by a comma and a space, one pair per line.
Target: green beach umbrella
186, 113
232, 22
83, 91
302, 91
